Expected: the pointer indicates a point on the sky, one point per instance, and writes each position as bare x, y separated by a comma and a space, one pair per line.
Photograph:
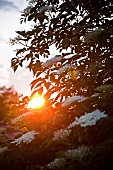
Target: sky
10, 12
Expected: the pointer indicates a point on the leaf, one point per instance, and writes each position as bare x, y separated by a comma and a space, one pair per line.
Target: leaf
37, 56
31, 17
56, 98
66, 43
15, 67
33, 93
20, 63
73, 74
52, 77
38, 29
14, 61
61, 98
28, 56
25, 99
37, 85
104, 88
38, 73
22, 33
48, 94
47, 52
40, 91
34, 69
20, 51
33, 83
47, 85
37, 67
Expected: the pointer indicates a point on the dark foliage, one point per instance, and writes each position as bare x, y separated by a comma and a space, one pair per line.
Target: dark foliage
82, 28
82, 32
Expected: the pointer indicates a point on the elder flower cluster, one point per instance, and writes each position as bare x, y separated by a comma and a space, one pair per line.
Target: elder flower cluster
22, 116
25, 138
3, 149
61, 134
72, 99
78, 153
88, 119
57, 163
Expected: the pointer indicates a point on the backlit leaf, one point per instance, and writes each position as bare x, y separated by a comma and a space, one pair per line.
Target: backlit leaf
33, 83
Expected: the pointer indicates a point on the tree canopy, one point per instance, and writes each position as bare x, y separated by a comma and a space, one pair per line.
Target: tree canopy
81, 31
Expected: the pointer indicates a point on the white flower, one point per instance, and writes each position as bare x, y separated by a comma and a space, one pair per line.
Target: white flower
3, 149
57, 163
79, 153
26, 138
61, 134
52, 61
88, 119
22, 116
72, 99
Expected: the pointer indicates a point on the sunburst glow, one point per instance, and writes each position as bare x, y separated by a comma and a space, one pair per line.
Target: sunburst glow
36, 102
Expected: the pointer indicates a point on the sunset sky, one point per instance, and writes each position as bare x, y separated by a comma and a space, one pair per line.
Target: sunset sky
10, 11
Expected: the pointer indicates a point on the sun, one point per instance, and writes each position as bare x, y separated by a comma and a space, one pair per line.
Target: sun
36, 102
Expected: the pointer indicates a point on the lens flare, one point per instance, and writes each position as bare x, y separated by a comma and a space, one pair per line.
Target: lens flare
36, 102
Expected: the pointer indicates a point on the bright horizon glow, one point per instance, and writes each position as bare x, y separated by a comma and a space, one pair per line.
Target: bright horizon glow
36, 102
